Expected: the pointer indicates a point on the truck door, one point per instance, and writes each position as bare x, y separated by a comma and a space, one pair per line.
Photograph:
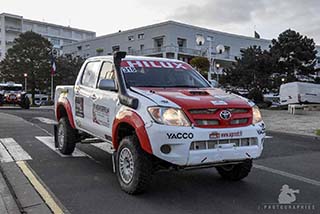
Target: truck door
85, 96
106, 104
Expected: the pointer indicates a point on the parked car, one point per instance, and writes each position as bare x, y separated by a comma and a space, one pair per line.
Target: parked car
12, 93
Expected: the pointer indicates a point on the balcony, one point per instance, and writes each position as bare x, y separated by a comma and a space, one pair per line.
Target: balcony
182, 51
13, 29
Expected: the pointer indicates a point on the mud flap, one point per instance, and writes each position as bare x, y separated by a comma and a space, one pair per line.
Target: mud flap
55, 128
114, 162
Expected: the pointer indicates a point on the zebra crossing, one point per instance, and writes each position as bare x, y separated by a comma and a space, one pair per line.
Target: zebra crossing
11, 151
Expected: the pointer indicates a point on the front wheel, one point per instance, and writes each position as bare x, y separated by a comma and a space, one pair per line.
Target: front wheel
235, 172
67, 137
133, 166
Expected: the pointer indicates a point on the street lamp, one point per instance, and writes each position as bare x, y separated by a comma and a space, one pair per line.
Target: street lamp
282, 80
25, 81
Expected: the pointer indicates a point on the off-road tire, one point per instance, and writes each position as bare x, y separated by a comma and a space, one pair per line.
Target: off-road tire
142, 166
67, 142
235, 172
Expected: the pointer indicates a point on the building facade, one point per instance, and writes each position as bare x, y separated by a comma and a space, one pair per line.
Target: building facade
12, 25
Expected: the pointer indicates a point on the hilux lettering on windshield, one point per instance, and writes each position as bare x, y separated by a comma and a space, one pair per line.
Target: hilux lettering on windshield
155, 64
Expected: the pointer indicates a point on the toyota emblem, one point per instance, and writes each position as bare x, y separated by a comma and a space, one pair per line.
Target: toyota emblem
225, 115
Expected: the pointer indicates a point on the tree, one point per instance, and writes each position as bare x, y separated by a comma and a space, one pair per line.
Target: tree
252, 69
202, 64
30, 54
67, 69
293, 54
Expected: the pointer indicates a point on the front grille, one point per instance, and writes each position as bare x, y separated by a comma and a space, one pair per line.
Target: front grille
210, 118
207, 122
214, 144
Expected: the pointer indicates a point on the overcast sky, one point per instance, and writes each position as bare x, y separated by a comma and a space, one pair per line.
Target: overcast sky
268, 17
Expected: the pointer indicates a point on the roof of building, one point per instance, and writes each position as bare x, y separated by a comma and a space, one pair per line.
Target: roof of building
170, 22
47, 23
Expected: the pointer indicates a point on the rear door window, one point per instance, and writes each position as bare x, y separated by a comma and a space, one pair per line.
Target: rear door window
90, 74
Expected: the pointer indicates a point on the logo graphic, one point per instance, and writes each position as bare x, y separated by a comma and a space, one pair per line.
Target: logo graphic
180, 135
225, 115
287, 195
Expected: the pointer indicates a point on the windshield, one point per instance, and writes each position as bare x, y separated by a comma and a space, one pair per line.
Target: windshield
11, 88
161, 74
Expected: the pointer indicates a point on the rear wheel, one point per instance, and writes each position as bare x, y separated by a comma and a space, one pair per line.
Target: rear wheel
134, 166
235, 172
67, 137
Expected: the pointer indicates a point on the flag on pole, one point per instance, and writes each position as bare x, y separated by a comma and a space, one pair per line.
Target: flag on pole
53, 66
256, 35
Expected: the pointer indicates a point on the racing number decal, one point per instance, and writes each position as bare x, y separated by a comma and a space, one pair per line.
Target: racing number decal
79, 107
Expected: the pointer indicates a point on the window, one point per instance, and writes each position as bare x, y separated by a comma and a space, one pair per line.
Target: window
79, 48
90, 74
87, 46
141, 47
129, 49
141, 36
107, 71
115, 48
55, 41
131, 38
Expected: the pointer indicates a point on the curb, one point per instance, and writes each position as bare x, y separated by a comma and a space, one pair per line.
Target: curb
27, 198
296, 135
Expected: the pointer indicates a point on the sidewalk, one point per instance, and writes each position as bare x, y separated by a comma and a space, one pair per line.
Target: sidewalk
281, 121
8, 204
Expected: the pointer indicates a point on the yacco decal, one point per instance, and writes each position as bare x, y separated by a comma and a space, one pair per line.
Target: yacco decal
154, 64
180, 135
101, 115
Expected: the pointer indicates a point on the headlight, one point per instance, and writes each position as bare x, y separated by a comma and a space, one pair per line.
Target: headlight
169, 116
6, 94
256, 115
18, 95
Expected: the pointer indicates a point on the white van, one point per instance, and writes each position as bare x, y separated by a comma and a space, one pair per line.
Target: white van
299, 92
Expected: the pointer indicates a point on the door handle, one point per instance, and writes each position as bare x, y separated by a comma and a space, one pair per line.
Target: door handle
93, 97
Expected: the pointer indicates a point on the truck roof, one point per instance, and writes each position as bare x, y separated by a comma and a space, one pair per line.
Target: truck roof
11, 84
130, 57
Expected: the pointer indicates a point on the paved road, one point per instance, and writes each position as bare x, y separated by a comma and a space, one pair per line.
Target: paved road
86, 184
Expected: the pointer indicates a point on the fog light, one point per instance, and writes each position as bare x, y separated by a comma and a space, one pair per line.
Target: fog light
165, 149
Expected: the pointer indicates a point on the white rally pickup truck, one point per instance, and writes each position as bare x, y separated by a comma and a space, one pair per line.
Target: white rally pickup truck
157, 113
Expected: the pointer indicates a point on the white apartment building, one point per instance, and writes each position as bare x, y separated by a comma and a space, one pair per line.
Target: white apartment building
12, 25
172, 40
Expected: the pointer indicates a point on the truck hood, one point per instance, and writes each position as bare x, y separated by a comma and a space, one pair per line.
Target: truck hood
187, 98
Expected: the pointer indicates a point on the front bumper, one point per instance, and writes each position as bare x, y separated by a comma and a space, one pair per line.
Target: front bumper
192, 146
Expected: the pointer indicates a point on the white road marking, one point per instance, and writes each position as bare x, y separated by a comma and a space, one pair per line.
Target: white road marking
15, 150
107, 147
268, 137
289, 175
4, 155
49, 141
45, 120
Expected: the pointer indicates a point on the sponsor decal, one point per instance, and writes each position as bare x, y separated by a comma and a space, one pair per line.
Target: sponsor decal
218, 135
128, 69
187, 98
225, 115
101, 115
262, 129
79, 107
219, 102
180, 136
154, 64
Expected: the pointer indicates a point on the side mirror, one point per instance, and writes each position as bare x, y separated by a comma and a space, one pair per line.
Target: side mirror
107, 85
